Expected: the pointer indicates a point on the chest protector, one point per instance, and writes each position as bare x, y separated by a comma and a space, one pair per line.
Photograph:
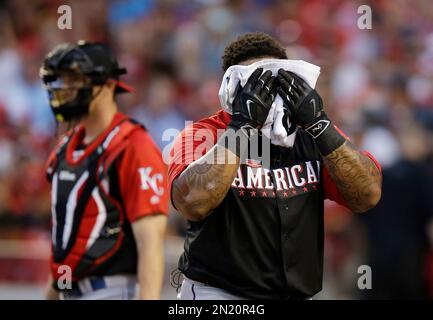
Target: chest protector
87, 221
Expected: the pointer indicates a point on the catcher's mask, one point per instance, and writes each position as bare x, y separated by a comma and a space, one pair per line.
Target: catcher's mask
70, 71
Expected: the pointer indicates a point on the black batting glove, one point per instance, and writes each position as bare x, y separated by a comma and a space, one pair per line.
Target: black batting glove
304, 103
253, 101
306, 108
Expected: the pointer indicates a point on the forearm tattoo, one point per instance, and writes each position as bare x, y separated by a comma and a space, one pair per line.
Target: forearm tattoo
355, 175
204, 184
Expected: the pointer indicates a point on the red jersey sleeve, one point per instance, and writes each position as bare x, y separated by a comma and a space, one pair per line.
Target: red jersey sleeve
191, 144
330, 188
143, 178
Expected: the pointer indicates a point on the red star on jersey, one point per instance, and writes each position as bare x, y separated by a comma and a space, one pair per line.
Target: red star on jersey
305, 189
264, 194
241, 192
285, 194
253, 193
294, 191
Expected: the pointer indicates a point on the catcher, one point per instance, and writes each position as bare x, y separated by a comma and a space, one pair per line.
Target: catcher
108, 189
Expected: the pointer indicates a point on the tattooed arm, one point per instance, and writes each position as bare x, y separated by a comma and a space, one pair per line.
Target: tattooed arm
358, 179
204, 183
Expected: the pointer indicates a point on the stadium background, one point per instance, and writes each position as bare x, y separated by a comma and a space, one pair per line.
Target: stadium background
377, 85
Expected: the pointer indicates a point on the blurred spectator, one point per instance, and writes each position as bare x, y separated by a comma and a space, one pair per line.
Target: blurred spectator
397, 229
160, 110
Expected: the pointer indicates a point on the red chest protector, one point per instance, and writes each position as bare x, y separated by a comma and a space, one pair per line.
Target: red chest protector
87, 221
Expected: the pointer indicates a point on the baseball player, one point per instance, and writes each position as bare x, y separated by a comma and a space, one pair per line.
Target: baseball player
255, 231
108, 196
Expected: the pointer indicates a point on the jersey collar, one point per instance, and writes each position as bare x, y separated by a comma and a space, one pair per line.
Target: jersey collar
78, 136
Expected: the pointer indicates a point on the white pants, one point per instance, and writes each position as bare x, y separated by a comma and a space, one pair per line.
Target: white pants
119, 287
194, 290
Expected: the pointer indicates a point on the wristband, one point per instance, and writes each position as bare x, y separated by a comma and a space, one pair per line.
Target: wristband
325, 135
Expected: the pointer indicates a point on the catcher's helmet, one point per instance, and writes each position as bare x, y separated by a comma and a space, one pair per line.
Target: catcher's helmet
69, 73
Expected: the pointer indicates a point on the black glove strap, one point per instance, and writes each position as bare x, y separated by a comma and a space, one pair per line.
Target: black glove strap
325, 135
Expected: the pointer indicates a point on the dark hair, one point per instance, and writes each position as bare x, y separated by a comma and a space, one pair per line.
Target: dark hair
252, 45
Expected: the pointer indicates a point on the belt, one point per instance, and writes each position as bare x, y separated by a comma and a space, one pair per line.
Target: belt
91, 284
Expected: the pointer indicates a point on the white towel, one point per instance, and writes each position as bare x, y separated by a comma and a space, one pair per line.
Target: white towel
273, 127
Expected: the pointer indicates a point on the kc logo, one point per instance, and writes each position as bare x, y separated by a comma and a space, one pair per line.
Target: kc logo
151, 181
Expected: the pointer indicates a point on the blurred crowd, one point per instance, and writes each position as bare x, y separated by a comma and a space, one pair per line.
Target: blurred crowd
377, 86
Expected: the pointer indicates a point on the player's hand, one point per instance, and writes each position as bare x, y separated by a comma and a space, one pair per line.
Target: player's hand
306, 110
304, 103
253, 101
